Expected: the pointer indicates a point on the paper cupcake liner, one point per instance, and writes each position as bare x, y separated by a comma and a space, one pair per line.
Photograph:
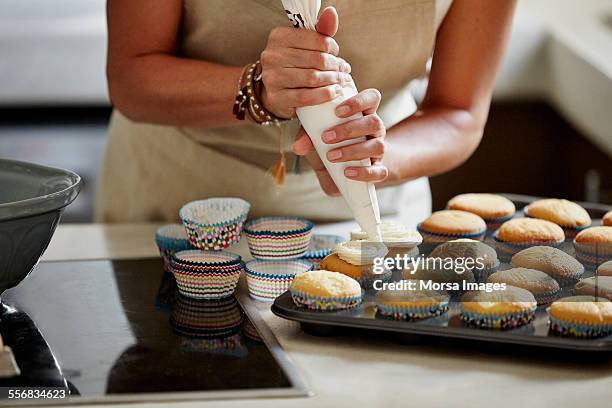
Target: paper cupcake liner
321, 245
278, 237
216, 223
547, 297
278, 226
505, 250
267, 280
197, 258
503, 322
436, 238
171, 238
493, 224
578, 329
593, 255
324, 303
411, 313
250, 332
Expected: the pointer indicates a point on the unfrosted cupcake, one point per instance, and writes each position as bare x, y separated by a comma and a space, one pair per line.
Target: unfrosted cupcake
482, 258
520, 233
325, 290
411, 304
581, 316
398, 238
552, 261
439, 271
356, 259
594, 246
568, 215
447, 225
600, 286
605, 269
544, 288
500, 309
492, 208
607, 219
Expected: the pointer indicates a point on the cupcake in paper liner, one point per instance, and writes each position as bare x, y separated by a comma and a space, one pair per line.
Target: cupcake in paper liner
600, 286
544, 288
357, 259
448, 225
581, 317
571, 217
325, 291
499, 309
594, 246
278, 238
564, 268
411, 304
215, 223
269, 279
492, 208
521, 233
477, 256
171, 238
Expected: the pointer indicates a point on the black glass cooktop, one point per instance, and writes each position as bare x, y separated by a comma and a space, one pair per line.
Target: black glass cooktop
119, 330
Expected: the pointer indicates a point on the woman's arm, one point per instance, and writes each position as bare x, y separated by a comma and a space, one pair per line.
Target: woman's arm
448, 127
149, 83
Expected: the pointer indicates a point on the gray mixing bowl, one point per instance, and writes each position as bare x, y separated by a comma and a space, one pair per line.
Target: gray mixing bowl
32, 199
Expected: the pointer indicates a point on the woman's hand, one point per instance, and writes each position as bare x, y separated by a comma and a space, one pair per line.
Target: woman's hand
370, 125
302, 67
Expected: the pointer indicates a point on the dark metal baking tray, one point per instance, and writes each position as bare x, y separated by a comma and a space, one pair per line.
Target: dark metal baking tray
448, 326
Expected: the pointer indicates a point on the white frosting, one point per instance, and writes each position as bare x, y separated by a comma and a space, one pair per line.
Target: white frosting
392, 232
360, 252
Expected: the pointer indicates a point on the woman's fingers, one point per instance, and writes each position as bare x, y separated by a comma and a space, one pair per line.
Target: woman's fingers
304, 78
327, 183
375, 173
293, 58
369, 125
372, 148
287, 37
296, 98
302, 145
365, 101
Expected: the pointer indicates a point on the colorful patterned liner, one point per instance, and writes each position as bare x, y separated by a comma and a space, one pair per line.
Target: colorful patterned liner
206, 261
324, 303
548, 297
502, 322
229, 215
171, 238
570, 232
576, 329
435, 238
269, 279
278, 237
205, 318
412, 313
505, 250
218, 280
320, 246
593, 255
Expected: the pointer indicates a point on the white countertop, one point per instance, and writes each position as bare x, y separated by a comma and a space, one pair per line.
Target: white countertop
351, 371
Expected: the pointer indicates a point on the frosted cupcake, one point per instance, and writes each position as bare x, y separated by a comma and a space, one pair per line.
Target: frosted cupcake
581, 316
398, 238
520, 233
325, 290
411, 304
492, 208
566, 214
356, 259
501, 309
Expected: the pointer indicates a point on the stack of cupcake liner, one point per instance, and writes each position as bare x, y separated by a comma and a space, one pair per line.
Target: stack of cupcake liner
278, 237
170, 239
215, 223
269, 279
592, 255
206, 274
320, 246
206, 318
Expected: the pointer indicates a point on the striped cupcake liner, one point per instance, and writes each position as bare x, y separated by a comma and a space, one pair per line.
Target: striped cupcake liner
321, 245
215, 223
506, 250
433, 239
547, 297
171, 238
206, 262
278, 237
592, 255
267, 280
502, 322
493, 224
578, 329
320, 303
206, 285
411, 313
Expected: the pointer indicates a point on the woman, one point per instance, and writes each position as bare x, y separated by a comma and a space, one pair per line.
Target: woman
173, 72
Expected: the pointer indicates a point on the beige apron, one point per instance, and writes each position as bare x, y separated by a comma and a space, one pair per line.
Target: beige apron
150, 171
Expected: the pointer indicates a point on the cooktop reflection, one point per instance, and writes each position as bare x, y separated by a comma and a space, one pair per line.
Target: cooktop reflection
120, 331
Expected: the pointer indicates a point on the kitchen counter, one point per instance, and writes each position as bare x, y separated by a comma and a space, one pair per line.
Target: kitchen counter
352, 371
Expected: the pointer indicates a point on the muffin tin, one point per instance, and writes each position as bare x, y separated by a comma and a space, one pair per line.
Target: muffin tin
448, 325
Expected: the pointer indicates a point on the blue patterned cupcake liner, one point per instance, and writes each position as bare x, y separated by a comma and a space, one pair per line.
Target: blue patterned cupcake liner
321, 245
278, 238
506, 250
547, 297
324, 303
570, 232
592, 255
171, 238
215, 223
294, 226
502, 322
580, 330
436, 238
412, 313
493, 224
212, 259
267, 280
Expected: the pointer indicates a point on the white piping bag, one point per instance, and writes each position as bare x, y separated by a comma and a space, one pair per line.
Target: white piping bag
360, 196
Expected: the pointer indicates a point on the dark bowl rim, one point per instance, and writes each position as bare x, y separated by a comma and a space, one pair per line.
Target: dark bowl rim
24, 208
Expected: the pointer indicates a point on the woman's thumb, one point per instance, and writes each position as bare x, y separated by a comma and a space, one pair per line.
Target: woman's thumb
328, 22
